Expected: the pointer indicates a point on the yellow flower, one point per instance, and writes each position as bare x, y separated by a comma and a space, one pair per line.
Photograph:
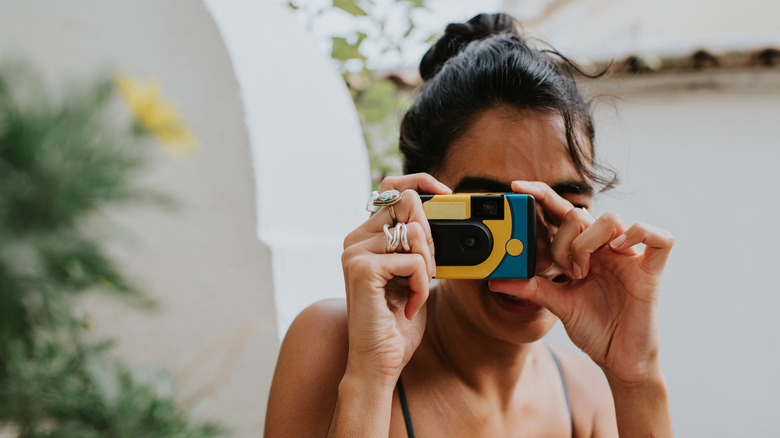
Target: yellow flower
156, 115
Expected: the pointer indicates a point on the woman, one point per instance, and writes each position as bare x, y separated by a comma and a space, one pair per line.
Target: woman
465, 357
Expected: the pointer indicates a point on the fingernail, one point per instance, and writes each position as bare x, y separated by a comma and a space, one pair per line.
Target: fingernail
618, 241
577, 271
587, 212
406, 313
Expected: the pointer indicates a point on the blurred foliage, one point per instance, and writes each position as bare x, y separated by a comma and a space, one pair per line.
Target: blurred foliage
62, 161
380, 101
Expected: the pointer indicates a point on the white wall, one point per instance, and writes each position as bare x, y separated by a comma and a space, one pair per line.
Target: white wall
699, 155
612, 29
310, 160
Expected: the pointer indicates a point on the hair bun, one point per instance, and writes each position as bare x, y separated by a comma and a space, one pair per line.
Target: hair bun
458, 35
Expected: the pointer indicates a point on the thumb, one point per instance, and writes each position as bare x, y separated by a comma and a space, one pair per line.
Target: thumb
546, 293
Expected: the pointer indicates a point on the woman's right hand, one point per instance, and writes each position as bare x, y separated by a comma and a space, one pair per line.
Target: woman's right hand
386, 293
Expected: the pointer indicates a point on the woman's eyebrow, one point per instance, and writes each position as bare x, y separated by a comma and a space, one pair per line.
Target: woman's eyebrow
479, 183
575, 187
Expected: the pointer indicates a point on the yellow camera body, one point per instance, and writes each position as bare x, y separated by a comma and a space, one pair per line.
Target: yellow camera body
481, 236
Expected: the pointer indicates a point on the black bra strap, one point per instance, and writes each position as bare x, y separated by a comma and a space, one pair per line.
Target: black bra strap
565, 390
405, 408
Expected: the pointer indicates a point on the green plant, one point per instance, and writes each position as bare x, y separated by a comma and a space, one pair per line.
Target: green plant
62, 162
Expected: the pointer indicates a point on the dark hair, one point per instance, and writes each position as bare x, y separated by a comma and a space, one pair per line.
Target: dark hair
485, 63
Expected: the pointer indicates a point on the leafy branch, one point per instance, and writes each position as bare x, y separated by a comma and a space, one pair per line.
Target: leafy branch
376, 35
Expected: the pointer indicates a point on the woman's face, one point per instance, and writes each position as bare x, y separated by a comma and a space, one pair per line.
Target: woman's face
503, 145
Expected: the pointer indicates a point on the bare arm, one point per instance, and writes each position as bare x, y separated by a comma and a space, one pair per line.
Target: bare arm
312, 393
363, 408
311, 364
609, 305
609, 407
338, 365
642, 410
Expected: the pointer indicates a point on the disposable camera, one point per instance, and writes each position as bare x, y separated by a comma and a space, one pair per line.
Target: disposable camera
478, 236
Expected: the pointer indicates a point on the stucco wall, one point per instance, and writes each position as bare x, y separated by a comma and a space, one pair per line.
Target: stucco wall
699, 154
310, 160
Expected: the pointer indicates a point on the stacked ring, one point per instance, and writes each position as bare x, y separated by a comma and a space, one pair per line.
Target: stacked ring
392, 239
398, 236
404, 239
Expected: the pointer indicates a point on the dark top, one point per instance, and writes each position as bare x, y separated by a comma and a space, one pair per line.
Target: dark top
408, 415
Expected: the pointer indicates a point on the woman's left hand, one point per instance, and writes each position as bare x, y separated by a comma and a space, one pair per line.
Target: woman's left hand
609, 307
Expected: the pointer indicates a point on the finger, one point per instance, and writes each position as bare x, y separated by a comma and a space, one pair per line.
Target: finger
412, 212
600, 233
422, 243
377, 244
419, 182
551, 202
408, 209
411, 266
376, 270
576, 221
658, 244
546, 293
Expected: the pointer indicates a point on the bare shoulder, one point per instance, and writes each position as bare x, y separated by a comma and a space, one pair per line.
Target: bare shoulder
589, 394
580, 372
326, 317
310, 366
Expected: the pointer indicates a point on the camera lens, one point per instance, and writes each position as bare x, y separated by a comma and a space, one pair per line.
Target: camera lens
470, 242
461, 242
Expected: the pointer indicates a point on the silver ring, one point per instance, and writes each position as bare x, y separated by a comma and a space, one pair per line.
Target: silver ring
392, 238
404, 239
396, 238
